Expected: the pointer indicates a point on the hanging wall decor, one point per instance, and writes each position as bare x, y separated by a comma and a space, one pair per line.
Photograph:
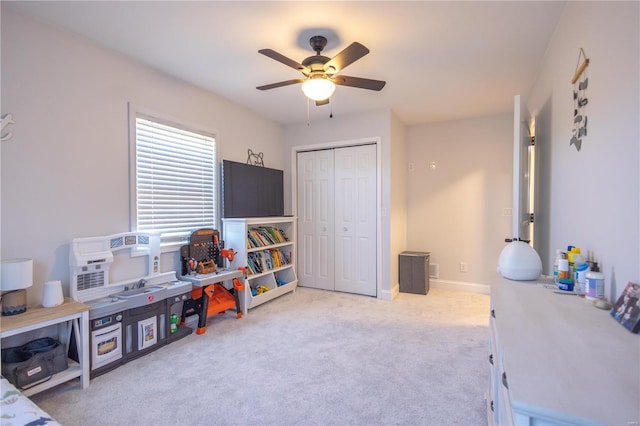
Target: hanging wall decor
255, 159
580, 82
6, 120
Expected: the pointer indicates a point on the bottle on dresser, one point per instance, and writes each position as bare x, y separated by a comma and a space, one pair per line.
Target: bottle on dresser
594, 283
565, 282
559, 255
581, 268
571, 252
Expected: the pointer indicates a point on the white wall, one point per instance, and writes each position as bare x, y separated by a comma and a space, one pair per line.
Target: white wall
398, 203
456, 211
65, 171
376, 124
594, 193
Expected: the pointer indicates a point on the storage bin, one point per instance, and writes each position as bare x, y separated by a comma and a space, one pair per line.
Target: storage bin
34, 362
414, 272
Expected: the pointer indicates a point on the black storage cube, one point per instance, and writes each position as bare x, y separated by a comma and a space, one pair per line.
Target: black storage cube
414, 272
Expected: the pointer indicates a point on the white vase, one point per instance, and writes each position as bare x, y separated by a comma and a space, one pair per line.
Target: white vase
52, 294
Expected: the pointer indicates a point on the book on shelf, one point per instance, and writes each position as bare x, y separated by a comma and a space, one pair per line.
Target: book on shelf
263, 261
263, 236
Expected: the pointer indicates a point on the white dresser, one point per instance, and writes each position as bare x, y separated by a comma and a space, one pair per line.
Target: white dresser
556, 359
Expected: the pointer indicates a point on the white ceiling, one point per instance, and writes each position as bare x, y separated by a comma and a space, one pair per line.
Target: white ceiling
441, 60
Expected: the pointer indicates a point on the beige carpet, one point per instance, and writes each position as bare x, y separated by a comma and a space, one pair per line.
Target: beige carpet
308, 358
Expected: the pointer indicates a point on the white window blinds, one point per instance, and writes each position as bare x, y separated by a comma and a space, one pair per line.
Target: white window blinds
175, 180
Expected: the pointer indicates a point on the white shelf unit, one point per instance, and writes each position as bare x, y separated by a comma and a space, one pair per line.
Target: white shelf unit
279, 279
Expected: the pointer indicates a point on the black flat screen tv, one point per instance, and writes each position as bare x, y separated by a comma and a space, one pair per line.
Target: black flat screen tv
251, 191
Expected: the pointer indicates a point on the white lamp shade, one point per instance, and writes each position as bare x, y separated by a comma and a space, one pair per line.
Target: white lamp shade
16, 274
318, 89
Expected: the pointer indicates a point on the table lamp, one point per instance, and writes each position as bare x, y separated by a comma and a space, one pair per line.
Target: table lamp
16, 276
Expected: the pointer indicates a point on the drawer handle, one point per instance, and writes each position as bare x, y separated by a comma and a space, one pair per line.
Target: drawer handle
504, 380
491, 359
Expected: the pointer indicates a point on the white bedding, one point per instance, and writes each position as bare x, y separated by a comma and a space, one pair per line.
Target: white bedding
17, 409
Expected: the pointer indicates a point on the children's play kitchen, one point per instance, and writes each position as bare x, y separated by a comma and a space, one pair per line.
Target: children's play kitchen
131, 317
127, 318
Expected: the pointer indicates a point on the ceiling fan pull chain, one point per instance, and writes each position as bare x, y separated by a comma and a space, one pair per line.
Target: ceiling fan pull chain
308, 119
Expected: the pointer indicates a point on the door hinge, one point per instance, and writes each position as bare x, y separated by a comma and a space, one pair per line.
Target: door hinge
532, 141
530, 217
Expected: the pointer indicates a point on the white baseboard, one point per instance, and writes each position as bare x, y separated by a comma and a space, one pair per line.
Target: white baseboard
444, 284
460, 286
389, 294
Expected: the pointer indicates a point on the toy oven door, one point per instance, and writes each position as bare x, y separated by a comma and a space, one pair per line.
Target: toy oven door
106, 345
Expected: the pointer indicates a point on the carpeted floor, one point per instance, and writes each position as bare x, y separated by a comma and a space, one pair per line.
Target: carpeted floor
308, 358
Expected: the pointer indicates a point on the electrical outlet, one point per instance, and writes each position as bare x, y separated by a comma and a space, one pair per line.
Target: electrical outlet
464, 267
507, 211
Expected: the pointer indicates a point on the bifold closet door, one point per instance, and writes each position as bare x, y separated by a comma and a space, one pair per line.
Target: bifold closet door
337, 219
315, 219
355, 219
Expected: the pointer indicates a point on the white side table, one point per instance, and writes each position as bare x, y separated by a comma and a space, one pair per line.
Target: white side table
70, 313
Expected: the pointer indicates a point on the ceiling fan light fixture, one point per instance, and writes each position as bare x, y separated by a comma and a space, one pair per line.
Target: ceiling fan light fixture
318, 88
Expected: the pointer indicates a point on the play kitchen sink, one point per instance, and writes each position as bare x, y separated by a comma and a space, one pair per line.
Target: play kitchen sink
142, 295
136, 291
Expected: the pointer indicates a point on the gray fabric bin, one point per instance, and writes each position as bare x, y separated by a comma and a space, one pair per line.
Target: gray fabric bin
414, 272
34, 362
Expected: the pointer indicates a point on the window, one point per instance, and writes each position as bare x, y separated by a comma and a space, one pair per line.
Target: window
173, 184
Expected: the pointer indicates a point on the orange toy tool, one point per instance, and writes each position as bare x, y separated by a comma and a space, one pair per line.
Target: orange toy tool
228, 254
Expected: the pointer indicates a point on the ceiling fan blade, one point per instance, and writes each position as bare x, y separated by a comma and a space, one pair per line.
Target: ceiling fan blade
362, 83
349, 55
320, 103
280, 84
284, 60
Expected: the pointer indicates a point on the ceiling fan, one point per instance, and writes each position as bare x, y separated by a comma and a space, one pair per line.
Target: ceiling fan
320, 72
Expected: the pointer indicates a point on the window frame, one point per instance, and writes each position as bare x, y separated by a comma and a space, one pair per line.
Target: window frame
137, 111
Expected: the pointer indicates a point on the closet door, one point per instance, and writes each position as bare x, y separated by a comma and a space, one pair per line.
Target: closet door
355, 219
315, 219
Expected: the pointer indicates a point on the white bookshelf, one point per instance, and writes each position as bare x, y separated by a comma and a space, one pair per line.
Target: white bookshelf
276, 274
